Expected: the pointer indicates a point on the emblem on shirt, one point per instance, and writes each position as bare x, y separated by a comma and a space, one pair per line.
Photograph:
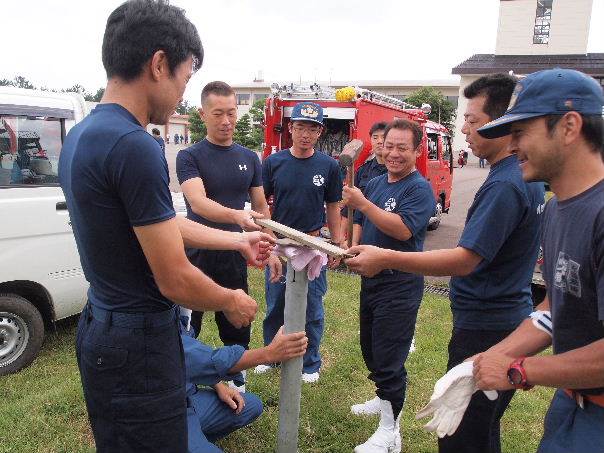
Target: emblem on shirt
318, 180
242, 167
390, 205
540, 209
566, 276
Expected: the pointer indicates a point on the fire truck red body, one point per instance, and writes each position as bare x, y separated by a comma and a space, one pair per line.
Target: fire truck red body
345, 120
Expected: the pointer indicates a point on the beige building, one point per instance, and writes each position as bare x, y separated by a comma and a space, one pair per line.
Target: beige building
533, 35
248, 93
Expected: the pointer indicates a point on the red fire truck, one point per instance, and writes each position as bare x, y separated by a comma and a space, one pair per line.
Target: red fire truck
349, 113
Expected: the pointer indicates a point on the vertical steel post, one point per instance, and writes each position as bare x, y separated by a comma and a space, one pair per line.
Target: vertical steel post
291, 371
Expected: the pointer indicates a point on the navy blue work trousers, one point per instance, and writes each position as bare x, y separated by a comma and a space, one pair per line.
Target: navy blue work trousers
479, 430
133, 377
387, 323
228, 269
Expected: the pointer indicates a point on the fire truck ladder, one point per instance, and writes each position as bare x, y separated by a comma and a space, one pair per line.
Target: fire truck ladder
316, 91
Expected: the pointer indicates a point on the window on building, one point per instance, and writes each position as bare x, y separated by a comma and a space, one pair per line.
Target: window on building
260, 97
543, 19
243, 99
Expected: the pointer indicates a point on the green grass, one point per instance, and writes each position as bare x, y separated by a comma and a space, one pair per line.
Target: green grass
42, 408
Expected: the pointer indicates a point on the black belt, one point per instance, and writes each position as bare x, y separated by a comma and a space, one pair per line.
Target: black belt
133, 320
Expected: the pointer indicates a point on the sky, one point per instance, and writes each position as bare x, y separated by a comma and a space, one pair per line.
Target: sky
58, 42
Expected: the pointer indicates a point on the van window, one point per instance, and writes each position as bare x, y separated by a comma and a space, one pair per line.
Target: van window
29, 149
446, 148
433, 146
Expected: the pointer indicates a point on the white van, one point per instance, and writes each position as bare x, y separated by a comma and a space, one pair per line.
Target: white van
41, 278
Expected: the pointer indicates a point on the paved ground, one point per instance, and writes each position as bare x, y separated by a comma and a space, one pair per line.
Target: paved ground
466, 182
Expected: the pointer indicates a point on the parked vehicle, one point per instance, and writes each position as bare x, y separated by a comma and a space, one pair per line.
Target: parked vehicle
41, 278
349, 113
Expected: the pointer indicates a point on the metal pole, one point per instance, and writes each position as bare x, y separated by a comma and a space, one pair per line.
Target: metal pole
296, 290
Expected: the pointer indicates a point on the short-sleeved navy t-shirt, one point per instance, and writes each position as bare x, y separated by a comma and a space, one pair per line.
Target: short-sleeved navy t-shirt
301, 187
573, 268
227, 172
115, 177
502, 226
413, 200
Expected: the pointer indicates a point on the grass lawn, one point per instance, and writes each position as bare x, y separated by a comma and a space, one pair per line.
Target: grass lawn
42, 408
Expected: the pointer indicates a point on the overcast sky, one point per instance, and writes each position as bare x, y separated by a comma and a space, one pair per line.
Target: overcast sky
58, 43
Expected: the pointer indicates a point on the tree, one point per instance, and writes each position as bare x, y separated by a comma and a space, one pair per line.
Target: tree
443, 110
197, 128
183, 108
22, 82
257, 112
98, 95
256, 136
243, 129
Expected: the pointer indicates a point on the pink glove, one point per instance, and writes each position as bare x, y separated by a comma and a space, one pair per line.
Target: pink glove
301, 256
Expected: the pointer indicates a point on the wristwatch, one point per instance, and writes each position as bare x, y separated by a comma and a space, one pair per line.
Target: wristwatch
517, 375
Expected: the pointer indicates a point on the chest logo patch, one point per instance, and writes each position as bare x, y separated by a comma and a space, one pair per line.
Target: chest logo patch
318, 180
390, 205
242, 167
566, 276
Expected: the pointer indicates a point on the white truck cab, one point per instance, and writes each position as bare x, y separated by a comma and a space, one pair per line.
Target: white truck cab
41, 278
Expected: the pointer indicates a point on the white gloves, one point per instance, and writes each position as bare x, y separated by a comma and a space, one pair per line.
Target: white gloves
450, 399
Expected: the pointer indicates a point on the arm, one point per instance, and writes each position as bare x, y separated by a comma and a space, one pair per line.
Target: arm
260, 205
370, 260
181, 282
282, 348
387, 222
201, 205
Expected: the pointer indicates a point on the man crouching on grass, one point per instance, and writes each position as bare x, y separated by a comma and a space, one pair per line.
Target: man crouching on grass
215, 413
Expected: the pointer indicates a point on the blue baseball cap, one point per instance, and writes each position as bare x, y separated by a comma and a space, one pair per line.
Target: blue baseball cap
307, 111
550, 92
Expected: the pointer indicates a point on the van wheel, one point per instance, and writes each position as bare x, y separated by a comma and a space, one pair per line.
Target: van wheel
435, 221
21, 333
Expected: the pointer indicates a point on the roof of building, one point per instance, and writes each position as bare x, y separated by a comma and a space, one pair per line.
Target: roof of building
451, 82
591, 63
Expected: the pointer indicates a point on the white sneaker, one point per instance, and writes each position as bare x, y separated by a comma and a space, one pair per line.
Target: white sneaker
387, 438
240, 388
412, 348
369, 407
261, 369
310, 378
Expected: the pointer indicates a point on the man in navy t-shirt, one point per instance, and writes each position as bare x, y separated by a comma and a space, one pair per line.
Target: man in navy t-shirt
306, 186
157, 136
557, 130
217, 177
492, 265
372, 167
393, 213
115, 179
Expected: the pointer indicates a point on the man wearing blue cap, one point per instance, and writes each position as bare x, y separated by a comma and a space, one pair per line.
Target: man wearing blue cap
556, 127
307, 186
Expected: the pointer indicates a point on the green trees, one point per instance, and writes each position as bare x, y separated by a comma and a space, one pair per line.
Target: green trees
197, 128
443, 110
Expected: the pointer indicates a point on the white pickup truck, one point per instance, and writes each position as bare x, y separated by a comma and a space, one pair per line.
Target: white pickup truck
41, 278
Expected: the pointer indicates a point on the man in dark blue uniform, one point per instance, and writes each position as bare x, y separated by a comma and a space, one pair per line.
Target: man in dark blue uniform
372, 167
115, 179
556, 128
307, 187
491, 267
214, 413
394, 214
217, 177
158, 138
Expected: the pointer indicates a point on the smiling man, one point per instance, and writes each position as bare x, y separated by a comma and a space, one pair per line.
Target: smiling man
492, 265
557, 130
394, 214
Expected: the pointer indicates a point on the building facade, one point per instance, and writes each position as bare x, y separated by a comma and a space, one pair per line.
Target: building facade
533, 35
